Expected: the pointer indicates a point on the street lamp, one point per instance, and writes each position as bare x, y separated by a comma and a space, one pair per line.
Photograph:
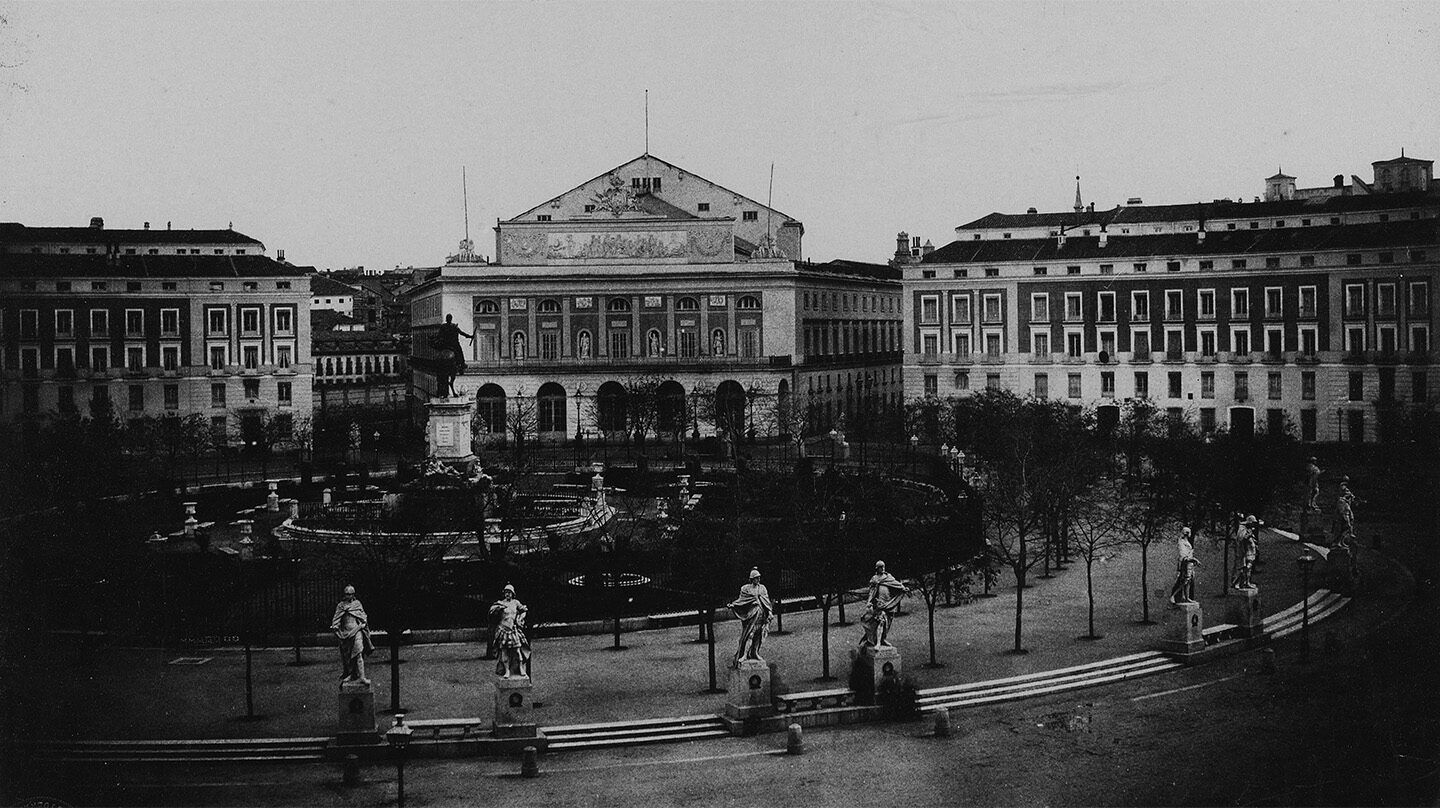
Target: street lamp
1305, 561
914, 452
398, 737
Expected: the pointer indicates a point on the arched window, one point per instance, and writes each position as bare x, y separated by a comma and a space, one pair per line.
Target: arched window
490, 409
517, 345
612, 401
687, 304
748, 302
717, 342
551, 414
487, 307
618, 304
549, 307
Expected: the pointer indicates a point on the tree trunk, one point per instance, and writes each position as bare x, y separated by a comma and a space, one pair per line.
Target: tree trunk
395, 671
1019, 604
1145, 582
1090, 592
825, 640
709, 622
930, 604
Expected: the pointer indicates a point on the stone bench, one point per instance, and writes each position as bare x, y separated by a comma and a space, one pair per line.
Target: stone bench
463, 727
1219, 633
815, 700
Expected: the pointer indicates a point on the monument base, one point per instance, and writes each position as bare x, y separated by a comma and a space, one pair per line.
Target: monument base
514, 707
1184, 623
357, 714
749, 690
878, 663
447, 431
1242, 608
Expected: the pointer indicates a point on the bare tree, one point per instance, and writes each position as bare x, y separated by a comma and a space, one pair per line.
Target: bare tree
521, 420
1098, 527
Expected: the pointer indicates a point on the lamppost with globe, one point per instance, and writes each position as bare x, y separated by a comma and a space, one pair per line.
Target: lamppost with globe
1305, 562
398, 737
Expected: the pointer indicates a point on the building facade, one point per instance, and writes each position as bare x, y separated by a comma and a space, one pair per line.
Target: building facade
157, 322
643, 283
1264, 318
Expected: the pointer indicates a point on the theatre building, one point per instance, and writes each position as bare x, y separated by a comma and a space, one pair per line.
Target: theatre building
652, 300
1311, 310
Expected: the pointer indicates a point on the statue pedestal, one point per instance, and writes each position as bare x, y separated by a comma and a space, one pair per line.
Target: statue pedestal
1339, 570
1183, 625
357, 714
749, 690
1242, 607
1312, 528
882, 662
447, 430
514, 708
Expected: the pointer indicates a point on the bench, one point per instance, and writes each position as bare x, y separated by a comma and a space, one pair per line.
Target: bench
1219, 633
814, 700
466, 727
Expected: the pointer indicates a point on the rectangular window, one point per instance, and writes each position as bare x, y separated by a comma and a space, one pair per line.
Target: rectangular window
134, 358
1354, 300
1073, 345
217, 396
1274, 343
1206, 304
1174, 307
932, 385
992, 381
1308, 307
1207, 384
1240, 341
252, 389
1275, 421
1073, 312
1420, 339
1386, 334
1142, 384
1207, 343
992, 272
99, 358
930, 344
1357, 385
172, 396
961, 341
749, 343
1140, 345
619, 344
29, 324
219, 428
962, 380
1139, 305
218, 359
1387, 384
1419, 303
250, 356
1207, 420
1272, 262
1042, 270
1419, 387
64, 322
249, 321
960, 309
170, 357
136, 397
1307, 260
217, 321
1072, 383
1309, 342
1239, 303
99, 322
1107, 384
1206, 265
1273, 302
1355, 339
30, 362
1107, 269
134, 323
1308, 424
1040, 308
284, 321
992, 345
689, 344
929, 310
1139, 267
1041, 342
1242, 385
750, 216
169, 322
1072, 270
1172, 384
1107, 307
1042, 385
1172, 266
65, 360
1307, 385
1174, 345
991, 310
550, 344
1385, 300
1273, 386
284, 355
1238, 263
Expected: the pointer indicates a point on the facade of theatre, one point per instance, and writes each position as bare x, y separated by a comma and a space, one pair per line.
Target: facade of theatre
159, 322
1311, 310
651, 274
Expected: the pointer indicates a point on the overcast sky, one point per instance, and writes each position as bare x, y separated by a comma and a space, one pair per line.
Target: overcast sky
337, 132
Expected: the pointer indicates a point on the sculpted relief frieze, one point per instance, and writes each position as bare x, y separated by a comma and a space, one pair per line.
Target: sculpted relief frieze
667, 244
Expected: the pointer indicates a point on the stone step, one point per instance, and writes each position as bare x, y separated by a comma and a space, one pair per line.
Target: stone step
630, 733
639, 722
1052, 684
1045, 675
1327, 610
636, 740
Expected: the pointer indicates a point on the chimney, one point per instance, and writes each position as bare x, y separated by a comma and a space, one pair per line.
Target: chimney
97, 223
147, 225
167, 225
280, 256
1339, 180
1200, 236
1134, 200
1104, 237
902, 245
1060, 238
1090, 208
927, 248
1031, 211
915, 243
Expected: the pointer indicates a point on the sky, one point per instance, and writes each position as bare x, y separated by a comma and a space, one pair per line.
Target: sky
338, 132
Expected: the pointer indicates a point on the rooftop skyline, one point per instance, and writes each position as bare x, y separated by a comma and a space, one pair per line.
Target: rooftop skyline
338, 132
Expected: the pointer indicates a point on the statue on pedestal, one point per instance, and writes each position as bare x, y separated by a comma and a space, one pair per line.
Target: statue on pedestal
1183, 591
1312, 485
1345, 514
450, 357
507, 615
755, 612
884, 601
1247, 546
352, 628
